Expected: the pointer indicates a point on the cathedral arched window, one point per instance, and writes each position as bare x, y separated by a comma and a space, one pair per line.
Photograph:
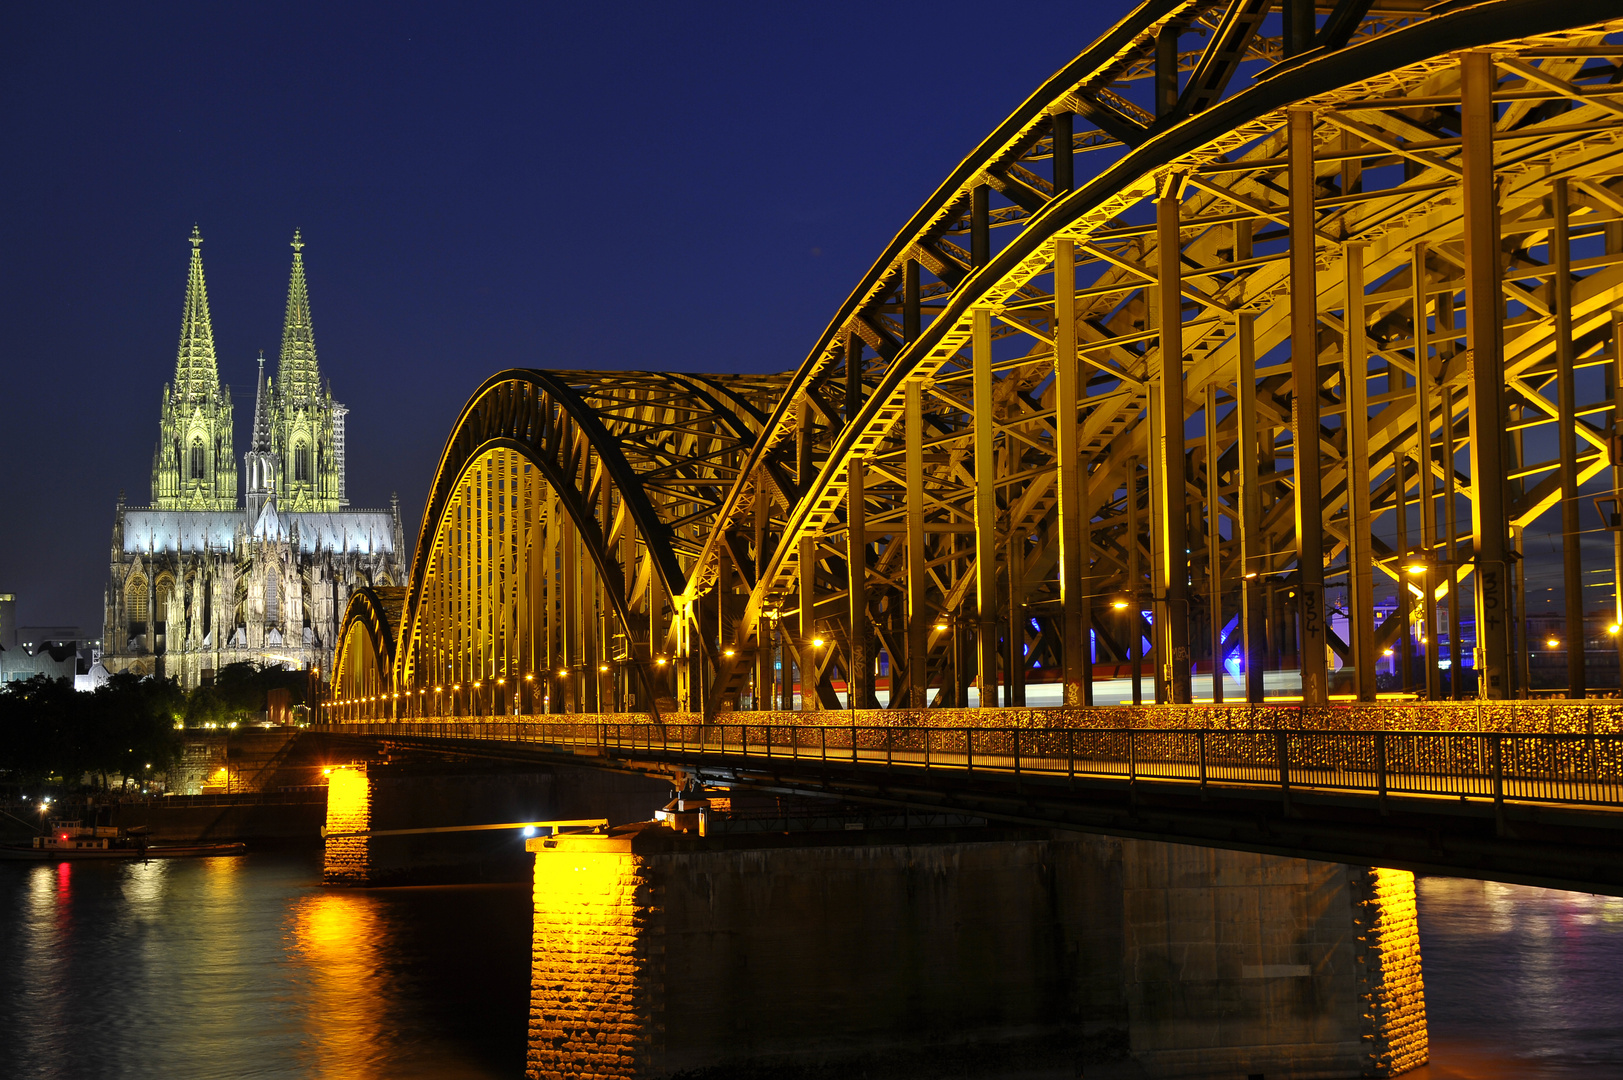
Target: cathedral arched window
197, 459
135, 602
301, 463
160, 607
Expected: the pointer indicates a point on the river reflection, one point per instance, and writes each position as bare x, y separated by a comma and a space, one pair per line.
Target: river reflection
248, 967
1521, 983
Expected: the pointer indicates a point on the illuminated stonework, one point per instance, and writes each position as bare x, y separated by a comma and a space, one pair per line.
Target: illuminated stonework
1394, 994
348, 860
193, 467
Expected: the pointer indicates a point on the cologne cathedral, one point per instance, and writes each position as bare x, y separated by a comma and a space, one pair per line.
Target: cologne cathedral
204, 577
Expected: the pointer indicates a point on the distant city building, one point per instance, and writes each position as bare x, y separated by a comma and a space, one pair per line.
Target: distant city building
57, 652
200, 579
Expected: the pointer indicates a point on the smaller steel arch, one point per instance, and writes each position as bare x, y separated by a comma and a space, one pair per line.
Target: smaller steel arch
376, 612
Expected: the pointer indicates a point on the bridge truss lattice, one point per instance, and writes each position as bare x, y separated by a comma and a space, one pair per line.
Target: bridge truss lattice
1061, 421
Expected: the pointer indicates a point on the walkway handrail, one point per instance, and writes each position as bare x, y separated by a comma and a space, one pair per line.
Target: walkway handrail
1574, 770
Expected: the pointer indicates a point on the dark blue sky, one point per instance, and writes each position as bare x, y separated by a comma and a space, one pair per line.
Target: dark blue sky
686, 187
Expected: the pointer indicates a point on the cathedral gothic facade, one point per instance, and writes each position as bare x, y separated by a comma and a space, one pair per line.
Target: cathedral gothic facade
203, 578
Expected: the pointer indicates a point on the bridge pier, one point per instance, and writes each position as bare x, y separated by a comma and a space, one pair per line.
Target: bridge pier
978, 952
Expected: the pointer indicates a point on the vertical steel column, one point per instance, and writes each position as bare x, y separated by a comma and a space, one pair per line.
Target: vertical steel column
1073, 512
1154, 509
1360, 522
858, 677
766, 681
1452, 543
985, 510
1214, 540
571, 598
1015, 673
1400, 485
1425, 479
1166, 69
917, 662
980, 225
1567, 438
1064, 154
1485, 304
1135, 585
806, 579
1253, 622
1616, 429
1304, 298
1174, 664
910, 301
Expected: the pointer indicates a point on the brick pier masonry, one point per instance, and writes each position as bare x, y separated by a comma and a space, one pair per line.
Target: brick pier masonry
966, 953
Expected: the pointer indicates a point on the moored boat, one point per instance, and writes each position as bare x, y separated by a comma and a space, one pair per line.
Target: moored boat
71, 840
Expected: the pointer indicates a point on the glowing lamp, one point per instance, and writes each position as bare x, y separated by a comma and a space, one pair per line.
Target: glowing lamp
562, 674
660, 662
477, 684
1614, 628
940, 626
602, 667
501, 682
1416, 568
529, 678
1119, 605
728, 653
1552, 643
1386, 652
439, 689
817, 643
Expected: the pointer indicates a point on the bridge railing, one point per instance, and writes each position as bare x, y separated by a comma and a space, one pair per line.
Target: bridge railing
1575, 770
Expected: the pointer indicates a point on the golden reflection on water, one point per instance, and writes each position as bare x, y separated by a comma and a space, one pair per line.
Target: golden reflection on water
336, 935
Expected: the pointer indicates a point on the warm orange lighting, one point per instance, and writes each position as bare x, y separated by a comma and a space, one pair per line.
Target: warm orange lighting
501, 682
529, 678
1119, 605
1250, 574
439, 689
456, 686
477, 684
817, 643
1386, 652
729, 653
660, 662
326, 772
1552, 643
940, 626
1614, 628
602, 667
562, 674
1416, 568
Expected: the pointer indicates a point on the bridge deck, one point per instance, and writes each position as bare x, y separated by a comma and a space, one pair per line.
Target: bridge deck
1539, 808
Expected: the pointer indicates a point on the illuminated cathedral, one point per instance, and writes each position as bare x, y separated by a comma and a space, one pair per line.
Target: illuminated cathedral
203, 578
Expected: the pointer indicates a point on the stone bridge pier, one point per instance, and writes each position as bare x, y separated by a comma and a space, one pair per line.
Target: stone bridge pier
965, 952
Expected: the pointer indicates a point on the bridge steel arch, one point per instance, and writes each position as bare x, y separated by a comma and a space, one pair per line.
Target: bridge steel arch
1074, 388
565, 516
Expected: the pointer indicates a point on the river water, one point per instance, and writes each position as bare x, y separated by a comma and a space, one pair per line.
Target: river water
246, 967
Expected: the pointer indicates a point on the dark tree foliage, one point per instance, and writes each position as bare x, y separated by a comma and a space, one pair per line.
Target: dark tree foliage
49, 729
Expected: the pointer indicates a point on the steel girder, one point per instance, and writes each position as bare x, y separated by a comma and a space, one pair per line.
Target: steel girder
979, 462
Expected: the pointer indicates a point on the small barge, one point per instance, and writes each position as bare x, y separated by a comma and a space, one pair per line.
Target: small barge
70, 840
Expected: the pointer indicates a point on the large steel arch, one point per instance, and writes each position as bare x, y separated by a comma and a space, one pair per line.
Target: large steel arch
564, 518
1267, 310
1352, 154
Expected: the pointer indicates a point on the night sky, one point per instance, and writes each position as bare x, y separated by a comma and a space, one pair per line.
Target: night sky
691, 188
677, 187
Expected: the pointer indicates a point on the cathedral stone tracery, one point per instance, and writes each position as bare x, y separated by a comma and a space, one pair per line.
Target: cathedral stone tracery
200, 580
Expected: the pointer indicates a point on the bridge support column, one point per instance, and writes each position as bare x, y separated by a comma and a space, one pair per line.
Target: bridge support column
1304, 314
348, 860
1485, 304
1172, 637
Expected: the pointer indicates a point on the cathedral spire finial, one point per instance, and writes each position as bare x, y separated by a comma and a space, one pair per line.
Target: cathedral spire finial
298, 244
196, 373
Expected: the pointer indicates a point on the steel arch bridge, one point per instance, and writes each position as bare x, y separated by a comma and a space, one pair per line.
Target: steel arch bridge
1255, 307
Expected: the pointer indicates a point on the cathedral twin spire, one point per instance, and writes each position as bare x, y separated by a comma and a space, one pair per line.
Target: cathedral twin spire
292, 458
